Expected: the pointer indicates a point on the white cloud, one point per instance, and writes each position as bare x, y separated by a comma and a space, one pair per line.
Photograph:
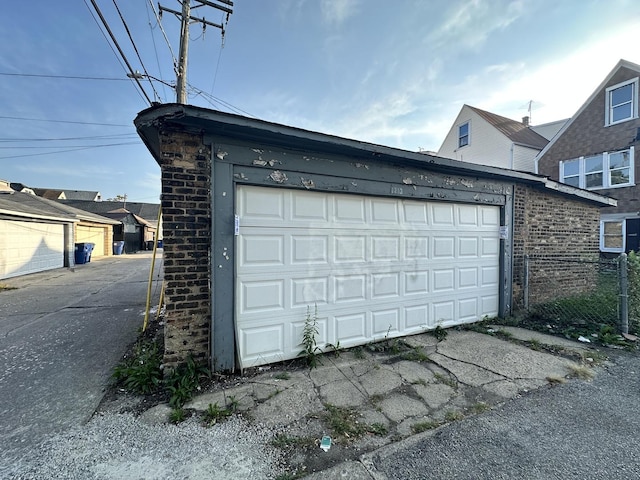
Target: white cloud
335, 12
469, 24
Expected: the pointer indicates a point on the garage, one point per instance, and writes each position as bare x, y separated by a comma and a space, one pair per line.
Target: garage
375, 267
95, 235
29, 247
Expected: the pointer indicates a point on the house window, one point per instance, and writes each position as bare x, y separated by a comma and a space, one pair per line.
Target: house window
612, 236
463, 135
605, 170
621, 102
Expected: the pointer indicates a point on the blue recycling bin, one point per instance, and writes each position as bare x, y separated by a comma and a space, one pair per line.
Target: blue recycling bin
118, 248
83, 253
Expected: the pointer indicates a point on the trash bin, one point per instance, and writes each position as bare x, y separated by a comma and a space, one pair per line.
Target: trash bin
159, 243
90, 247
83, 252
118, 248
149, 245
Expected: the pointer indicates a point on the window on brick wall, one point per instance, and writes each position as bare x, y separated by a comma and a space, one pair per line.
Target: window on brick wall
612, 236
621, 102
605, 170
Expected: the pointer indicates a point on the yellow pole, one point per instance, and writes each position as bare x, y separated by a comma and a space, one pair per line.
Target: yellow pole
153, 262
160, 302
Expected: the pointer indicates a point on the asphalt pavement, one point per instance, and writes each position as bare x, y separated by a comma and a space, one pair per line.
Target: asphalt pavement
61, 334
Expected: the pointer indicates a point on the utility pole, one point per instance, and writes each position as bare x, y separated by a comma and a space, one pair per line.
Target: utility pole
185, 19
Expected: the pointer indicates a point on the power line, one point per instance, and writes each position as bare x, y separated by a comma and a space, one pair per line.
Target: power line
115, 42
66, 77
68, 121
70, 150
95, 137
108, 43
135, 48
213, 100
166, 39
155, 48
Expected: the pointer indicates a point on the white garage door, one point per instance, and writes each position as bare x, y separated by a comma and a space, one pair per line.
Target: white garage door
28, 247
95, 235
374, 267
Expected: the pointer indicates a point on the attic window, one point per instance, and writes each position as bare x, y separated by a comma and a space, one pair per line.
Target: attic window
463, 135
622, 102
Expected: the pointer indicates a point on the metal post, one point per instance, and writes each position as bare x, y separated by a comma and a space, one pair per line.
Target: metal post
624, 294
526, 282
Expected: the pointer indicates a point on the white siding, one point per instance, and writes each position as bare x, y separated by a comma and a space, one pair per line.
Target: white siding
487, 146
524, 158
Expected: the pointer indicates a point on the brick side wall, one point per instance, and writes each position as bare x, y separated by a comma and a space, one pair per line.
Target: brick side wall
186, 213
549, 226
587, 135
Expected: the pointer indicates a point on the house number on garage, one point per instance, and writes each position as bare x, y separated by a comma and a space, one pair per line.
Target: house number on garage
236, 225
396, 190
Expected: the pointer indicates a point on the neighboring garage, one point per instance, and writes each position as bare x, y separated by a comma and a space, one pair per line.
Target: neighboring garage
34, 236
263, 223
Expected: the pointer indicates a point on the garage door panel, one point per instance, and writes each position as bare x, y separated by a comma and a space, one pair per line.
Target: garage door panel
374, 267
309, 291
386, 322
262, 296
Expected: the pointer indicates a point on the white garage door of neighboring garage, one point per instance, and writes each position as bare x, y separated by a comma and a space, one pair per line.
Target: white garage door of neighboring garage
95, 235
29, 247
374, 267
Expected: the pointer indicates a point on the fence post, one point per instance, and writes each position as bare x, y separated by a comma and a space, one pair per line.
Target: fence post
526, 283
624, 294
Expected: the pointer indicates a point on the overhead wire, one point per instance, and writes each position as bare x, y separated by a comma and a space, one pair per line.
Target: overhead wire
67, 121
66, 77
70, 150
135, 48
213, 100
115, 42
174, 59
155, 48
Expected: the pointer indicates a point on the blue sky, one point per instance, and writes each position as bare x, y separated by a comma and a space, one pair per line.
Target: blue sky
389, 72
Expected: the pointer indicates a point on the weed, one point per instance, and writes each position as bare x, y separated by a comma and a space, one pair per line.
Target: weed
291, 475
337, 349
446, 380
420, 381
213, 414
453, 416
556, 380
4, 287
534, 344
310, 350
378, 429
140, 373
480, 407
184, 382
177, 415
440, 333
580, 371
375, 398
424, 426
343, 421
232, 404
358, 352
283, 376
504, 334
416, 355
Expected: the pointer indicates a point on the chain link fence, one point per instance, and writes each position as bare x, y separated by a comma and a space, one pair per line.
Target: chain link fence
583, 297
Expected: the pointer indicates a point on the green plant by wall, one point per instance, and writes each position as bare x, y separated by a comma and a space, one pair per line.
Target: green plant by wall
140, 372
310, 350
184, 382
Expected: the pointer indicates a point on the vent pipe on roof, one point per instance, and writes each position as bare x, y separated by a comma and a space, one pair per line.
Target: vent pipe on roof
525, 121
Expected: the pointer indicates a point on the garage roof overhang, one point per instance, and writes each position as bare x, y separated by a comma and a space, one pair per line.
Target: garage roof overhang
178, 117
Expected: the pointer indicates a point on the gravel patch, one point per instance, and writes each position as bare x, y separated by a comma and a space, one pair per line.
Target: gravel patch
119, 446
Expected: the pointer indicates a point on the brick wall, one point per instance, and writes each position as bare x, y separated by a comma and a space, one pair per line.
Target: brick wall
557, 232
587, 135
186, 215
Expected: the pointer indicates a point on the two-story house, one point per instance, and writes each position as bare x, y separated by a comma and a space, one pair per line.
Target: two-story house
485, 138
596, 150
